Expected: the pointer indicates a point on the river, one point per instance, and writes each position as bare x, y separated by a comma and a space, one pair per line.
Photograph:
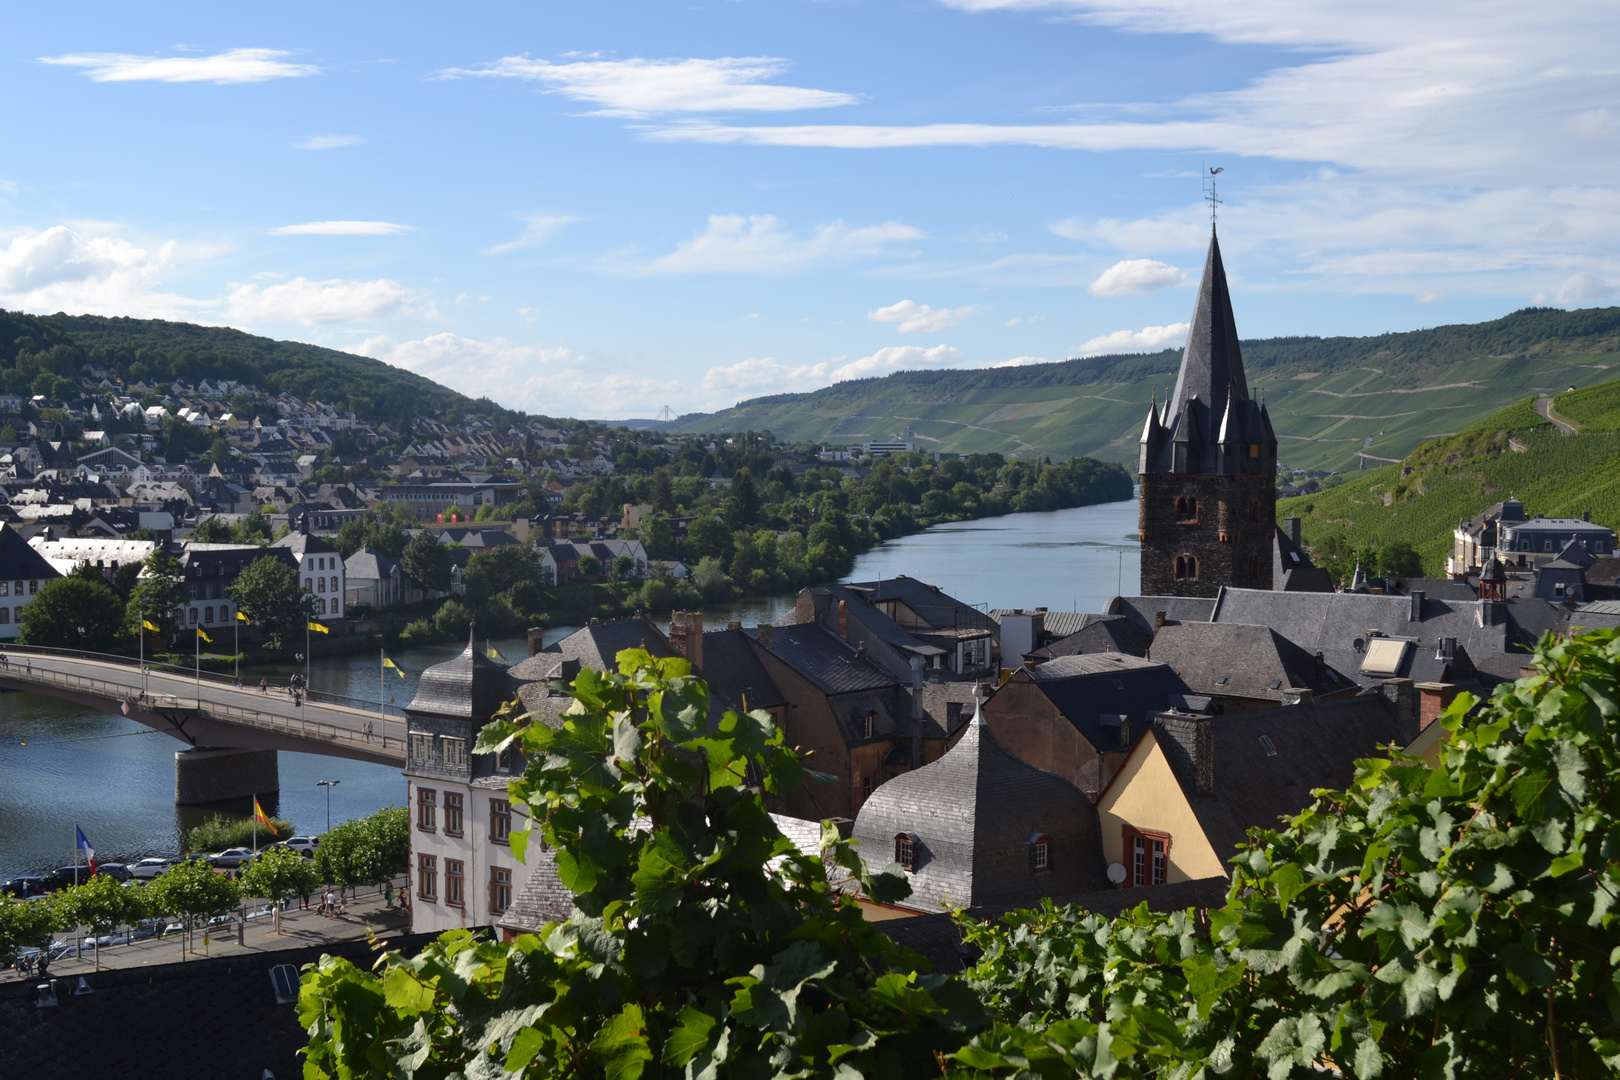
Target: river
62, 765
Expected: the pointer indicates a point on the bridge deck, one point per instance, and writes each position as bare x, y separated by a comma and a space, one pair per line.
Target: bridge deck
174, 703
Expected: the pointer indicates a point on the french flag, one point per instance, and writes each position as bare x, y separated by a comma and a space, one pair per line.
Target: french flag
84, 845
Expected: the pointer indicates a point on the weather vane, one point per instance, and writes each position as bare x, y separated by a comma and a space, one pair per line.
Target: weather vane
1210, 195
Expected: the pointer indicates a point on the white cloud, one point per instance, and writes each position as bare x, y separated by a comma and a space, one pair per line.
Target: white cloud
734, 244
640, 87
342, 228
1018, 320
62, 269
920, 318
1136, 276
1022, 361
1147, 339
312, 303
1584, 288
328, 142
536, 229
757, 375
231, 66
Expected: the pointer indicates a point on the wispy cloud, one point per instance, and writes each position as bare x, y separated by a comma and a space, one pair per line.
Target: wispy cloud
916, 318
328, 142
342, 228
1136, 276
1585, 288
1147, 339
231, 66
640, 87
537, 228
1022, 361
322, 303
766, 374
733, 244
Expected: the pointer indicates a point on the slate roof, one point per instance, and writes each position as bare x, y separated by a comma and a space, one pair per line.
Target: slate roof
974, 812
1101, 634
303, 543
369, 564
1141, 609
19, 560
469, 686
1316, 745
818, 654
1242, 660
1088, 688
939, 610
734, 672
597, 646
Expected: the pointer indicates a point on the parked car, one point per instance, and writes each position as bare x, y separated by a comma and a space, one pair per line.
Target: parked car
304, 845
23, 887
63, 876
231, 858
115, 870
147, 869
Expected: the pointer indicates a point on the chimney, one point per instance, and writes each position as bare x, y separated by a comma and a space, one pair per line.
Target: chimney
1190, 744
733, 624
1433, 698
537, 638
843, 619
1402, 697
686, 636
1291, 529
767, 635
1418, 596
1158, 622
860, 652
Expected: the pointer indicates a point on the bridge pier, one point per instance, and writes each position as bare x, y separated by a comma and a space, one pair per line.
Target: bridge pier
205, 775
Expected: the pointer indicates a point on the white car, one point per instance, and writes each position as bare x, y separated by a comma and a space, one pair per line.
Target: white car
304, 845
147, 869
231, 858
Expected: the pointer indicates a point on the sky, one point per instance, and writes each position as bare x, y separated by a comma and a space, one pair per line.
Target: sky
603, 210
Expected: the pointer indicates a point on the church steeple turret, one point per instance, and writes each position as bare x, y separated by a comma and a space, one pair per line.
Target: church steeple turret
1207, 461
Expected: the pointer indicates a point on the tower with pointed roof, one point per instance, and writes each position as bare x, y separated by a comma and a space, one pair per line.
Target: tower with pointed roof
1208, 463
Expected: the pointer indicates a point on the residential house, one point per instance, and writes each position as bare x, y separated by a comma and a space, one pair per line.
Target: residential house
22, 571
902, 619
320, 568
373, 579
207, 571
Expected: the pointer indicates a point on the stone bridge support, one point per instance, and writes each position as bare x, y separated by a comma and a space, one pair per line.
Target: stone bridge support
205, 775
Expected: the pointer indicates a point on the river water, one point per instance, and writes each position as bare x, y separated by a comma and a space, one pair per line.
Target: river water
62, 765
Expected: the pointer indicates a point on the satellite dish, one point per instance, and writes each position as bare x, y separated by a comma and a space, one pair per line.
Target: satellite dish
1116, 873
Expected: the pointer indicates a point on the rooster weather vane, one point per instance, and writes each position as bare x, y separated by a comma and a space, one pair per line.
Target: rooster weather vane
1210, 195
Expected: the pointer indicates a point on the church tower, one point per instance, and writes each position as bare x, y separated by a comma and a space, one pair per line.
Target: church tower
1208, 464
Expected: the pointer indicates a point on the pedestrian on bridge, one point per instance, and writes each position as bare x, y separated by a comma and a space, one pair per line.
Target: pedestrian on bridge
264, 686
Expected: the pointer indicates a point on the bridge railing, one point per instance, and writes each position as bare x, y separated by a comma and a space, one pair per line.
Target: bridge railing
297, 726
212, 678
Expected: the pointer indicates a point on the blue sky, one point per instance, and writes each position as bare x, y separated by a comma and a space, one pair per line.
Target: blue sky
602, 209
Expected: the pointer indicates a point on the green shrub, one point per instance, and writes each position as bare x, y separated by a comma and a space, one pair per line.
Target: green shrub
219, 831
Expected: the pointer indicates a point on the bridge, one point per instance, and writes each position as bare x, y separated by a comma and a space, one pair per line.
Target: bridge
232, 732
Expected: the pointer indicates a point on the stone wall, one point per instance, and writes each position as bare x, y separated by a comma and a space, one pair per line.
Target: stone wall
1220, 527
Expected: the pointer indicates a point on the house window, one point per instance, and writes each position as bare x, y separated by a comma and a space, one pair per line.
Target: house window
866, 725
193, 618
866, 788
307, 586
500, 889
427, 877
1186, 510
5, 616
208, 614
421, 748
33, 586
19, 588
455, 752
1040, 853
452, 814
427, 809
500, 820
1149, 856
1186, 568
5, 588
320, 584
905, 850
453, 879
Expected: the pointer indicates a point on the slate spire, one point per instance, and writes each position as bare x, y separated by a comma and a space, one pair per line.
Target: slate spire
1212, 365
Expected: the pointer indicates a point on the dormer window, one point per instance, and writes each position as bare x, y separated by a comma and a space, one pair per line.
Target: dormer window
905, 850
1040, 853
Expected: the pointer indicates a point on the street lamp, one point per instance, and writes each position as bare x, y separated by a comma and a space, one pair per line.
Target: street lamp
328, 785
81, 643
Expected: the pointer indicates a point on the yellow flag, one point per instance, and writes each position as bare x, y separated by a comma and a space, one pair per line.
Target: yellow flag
243, 618
495, 654
318, 628
204, 635
149, 626
387, 663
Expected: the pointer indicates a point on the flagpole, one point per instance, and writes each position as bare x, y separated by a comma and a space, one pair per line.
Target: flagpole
255, 823
197, 660
236, 644
382, 684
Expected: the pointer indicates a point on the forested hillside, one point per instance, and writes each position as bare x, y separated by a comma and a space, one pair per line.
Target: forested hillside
155, 351
1514, 452
1329, 397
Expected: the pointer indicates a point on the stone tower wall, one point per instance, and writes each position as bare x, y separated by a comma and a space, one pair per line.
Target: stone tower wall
1230, 546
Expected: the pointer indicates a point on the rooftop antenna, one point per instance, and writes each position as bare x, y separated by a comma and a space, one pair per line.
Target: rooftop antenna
1210, 194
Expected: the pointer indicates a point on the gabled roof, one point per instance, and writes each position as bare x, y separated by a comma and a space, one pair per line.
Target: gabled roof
596, 646
1243, 660
819, 655
735, 673
974, 813
369, 564
932, 605
18, 560
1101, 634
1092, 691
303, 543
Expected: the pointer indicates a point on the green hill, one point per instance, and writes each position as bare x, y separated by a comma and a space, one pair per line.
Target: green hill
1513, 452
157, 352
1328, 397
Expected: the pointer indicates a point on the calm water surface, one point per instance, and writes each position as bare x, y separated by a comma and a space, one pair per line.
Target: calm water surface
61, 764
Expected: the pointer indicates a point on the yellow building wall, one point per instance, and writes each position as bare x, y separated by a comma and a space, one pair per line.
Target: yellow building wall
1146, 795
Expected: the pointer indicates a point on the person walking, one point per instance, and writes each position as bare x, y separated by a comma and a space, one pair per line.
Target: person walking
388, 897
264, 685
303, 902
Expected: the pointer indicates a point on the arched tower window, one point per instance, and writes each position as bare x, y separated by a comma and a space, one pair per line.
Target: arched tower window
1186, 568
1186, 509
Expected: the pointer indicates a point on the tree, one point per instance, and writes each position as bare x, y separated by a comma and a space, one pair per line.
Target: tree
379, 532
427, 562
66, 605
742, 504
101, 904
711, 578
276, 874
211, 530
192, 890
706, 945
219, 451
156, 597
254, 528
708, 536
1400, 559
24, 926
267, 592
657, 537
365, 851
511, 572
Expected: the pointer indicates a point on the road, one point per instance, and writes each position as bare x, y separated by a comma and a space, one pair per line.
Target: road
1544, 407
209, 712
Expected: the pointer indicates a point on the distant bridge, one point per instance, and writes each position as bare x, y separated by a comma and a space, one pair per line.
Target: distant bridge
209, 714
